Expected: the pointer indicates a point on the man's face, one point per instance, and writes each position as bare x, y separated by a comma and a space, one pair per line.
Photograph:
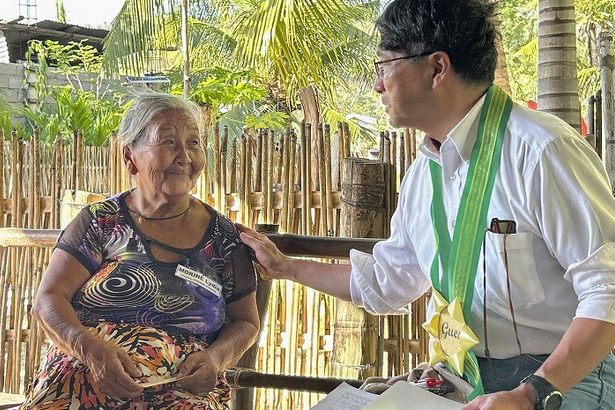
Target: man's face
403, 85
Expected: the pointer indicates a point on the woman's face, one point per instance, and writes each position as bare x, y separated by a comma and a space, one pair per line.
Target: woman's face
170, 157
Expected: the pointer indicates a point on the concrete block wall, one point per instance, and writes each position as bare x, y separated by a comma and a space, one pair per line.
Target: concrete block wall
11, 82
16, 91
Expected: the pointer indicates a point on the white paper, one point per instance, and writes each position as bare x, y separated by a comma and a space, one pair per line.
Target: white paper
405, 396
345, 397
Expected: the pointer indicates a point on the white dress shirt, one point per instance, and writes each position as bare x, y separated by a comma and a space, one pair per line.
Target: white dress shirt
561, 259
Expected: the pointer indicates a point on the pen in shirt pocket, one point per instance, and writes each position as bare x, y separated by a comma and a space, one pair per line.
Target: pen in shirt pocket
503, 226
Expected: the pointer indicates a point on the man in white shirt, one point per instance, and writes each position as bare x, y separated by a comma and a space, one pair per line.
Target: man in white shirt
543, 301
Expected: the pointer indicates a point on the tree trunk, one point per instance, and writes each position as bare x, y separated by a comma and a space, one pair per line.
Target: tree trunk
558, 91
501, 71
607, 65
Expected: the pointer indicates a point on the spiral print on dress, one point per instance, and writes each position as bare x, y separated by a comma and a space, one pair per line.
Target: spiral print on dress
133, 286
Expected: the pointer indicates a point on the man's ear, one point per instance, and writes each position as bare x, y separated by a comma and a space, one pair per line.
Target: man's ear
129, 161
441, 65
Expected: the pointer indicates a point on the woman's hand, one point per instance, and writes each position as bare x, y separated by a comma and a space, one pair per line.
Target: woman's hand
111, 367
199, 373
267, 254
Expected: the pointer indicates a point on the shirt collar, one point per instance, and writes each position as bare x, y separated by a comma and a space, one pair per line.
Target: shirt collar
462, 137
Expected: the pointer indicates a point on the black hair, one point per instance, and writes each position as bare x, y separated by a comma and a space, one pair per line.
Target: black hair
464, 29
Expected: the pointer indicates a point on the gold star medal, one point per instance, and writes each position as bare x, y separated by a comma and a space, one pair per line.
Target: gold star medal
453, 338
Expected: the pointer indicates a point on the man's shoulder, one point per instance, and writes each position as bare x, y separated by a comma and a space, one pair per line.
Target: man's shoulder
536, 129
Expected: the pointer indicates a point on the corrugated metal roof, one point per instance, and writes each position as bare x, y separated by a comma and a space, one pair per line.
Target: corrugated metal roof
17, 35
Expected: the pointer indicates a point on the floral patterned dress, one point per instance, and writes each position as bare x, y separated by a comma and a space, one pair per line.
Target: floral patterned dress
139, 303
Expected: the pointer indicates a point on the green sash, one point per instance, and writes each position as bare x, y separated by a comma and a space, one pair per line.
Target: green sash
459, 256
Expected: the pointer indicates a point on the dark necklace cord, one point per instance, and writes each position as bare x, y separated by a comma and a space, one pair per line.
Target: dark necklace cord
146, 218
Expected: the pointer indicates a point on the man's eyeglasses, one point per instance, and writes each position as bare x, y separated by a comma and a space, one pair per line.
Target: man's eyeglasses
378, 64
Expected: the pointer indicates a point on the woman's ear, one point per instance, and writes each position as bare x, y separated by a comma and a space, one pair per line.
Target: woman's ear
129, 161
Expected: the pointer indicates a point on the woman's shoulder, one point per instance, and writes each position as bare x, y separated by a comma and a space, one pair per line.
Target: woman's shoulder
221, 227
106, 207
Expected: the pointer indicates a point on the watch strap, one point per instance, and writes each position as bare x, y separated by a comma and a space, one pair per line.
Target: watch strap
543, 389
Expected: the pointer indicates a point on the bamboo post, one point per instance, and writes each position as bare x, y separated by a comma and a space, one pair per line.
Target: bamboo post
393, 169
233, 187
217, 167
328, 200
80, 151
271, 177
292, 177
322, 212
243, 199
249, 186
15, 181
347, 142
2, 211
268, 186
285, 181
401, 170
305, 190
607, 65
363, 215
223, 171
57, 183
385, 158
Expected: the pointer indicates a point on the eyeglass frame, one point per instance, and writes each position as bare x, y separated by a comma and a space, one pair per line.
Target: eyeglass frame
377, 63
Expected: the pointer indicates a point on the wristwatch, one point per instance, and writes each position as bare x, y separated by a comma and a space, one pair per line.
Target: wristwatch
547, 396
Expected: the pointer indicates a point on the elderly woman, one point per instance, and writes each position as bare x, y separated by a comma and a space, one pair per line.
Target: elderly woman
149, 286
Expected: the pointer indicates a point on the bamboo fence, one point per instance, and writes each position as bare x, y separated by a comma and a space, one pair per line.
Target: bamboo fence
288, 178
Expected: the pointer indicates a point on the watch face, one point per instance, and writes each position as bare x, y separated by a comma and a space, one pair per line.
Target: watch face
553, 401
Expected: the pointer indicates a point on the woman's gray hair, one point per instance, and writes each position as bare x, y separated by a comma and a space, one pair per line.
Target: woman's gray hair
146, 106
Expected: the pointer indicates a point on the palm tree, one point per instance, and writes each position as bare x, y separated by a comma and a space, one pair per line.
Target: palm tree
558, 91
302, 45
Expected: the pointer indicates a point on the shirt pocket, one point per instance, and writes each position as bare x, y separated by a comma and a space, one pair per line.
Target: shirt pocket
525, 285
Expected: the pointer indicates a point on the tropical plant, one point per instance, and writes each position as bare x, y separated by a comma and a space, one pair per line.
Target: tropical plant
307, 48
62, 110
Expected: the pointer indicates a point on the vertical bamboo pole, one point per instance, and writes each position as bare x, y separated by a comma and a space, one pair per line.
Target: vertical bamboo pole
393, 170
401, 170
223, 170
16, 180
285, 181
270, 177
347, 142
205, 175
217, 167
80, 154
322, 212
57, 183
249, 182
243, 189
266, 177
292, 177
385, 156
328, 200
233, 187
2, 211
111, 176
304, 179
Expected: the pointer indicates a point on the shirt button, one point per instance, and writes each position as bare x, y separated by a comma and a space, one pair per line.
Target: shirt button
452, 177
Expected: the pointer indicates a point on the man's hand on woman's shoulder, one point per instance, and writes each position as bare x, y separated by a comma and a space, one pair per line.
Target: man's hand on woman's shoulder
266, 253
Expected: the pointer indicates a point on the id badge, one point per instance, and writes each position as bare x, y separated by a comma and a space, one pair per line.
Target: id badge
198, 279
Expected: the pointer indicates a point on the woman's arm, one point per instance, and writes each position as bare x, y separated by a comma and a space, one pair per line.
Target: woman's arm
110, 366
234, 339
